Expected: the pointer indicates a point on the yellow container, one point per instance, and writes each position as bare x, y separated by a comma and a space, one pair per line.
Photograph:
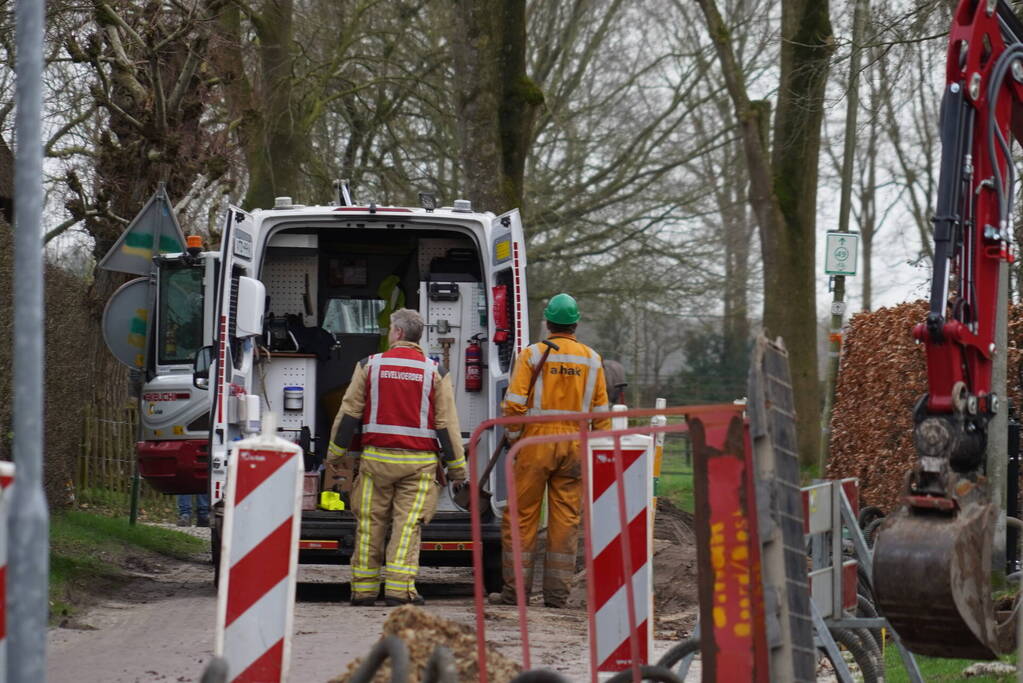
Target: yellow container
331, 500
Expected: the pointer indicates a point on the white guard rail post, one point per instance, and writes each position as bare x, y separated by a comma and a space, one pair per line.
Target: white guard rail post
259, 558
611, 619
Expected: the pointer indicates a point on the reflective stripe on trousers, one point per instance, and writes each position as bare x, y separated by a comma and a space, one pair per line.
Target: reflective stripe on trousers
396, 496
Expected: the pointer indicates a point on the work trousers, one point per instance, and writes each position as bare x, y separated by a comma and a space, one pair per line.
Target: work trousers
400, 496
556, 467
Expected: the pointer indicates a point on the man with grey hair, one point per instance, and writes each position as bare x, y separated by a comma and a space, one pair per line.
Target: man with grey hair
405, 406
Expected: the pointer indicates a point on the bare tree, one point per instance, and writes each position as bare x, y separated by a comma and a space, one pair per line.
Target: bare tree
783, 178
142, 65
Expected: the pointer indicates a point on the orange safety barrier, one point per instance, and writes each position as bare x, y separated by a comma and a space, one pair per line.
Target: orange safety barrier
710, 415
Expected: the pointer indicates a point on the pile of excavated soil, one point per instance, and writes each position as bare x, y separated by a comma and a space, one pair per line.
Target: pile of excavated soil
422, 633
883, 372
675, 568
676, 594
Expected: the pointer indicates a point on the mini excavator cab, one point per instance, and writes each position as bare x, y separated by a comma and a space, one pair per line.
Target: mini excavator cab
932, 560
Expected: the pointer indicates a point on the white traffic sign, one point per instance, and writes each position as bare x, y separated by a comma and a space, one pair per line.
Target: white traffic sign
840, 253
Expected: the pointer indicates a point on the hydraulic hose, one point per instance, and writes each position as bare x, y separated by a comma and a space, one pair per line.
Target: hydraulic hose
646, 673
391, 647
868, 515
860, 655
679, 652
863, 585
866, 608
870, 533
441, 667
869, 644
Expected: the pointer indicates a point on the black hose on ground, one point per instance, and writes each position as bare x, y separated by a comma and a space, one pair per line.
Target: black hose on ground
391, 647
679, 652
860, 654
869, 644
539, 676
868, 514
870, 532
865, 608
441, 667
863, 586
646, 673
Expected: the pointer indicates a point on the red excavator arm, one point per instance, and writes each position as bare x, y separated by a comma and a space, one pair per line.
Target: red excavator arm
932, 561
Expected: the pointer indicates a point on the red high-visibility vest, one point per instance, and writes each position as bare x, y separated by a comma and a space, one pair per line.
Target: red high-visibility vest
399, 409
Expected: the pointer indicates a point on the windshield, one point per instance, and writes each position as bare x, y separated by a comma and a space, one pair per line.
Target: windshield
179, 333
353, 316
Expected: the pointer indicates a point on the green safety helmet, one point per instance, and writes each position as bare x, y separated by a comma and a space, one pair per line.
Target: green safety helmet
562, 310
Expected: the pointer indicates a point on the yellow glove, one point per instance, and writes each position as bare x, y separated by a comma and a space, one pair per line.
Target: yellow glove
456, 473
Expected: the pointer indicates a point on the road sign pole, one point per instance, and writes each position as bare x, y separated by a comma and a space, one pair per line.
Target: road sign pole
28, 522
834, 352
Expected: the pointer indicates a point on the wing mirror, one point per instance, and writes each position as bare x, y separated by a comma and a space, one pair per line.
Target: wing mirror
201, 367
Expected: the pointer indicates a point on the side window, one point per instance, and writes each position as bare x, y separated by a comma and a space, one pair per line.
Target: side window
352, 316
180, 314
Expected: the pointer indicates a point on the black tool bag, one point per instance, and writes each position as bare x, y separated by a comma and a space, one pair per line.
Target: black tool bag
459, 264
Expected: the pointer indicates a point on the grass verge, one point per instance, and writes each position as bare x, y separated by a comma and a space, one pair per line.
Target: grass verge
89, 552
937, 670
677, 486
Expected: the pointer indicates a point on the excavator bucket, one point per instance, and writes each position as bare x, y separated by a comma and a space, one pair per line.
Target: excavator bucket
932, 580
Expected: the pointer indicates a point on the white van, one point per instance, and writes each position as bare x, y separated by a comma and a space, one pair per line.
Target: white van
300, 295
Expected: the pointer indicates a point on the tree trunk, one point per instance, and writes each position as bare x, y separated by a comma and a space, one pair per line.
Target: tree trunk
271, 121
149, 84
495, 100
276, 153
868, 222
784, 189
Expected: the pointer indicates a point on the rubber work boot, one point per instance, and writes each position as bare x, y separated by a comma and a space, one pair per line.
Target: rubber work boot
364, 602
185, 520
500, 599
397, 602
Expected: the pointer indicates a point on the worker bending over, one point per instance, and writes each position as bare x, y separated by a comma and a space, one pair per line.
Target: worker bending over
549, 381
405, 405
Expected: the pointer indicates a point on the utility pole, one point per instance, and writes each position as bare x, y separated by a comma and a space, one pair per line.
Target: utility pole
862, 7
29, 519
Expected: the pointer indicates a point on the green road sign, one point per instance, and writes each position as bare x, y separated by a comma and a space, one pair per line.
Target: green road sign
840, 253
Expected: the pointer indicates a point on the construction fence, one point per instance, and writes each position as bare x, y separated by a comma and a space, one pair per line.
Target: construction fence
106, 464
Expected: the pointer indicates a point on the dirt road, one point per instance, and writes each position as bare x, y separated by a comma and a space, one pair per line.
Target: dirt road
159, 627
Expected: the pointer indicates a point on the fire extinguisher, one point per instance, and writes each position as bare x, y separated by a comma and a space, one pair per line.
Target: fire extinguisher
474, 364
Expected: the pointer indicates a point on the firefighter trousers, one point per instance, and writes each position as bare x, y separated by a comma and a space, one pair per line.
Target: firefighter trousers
556, 468
396, 496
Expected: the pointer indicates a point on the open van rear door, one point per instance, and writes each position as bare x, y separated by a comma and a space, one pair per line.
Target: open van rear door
508, 327
239, 309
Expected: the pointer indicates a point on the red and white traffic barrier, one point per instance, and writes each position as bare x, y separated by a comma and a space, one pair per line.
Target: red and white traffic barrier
259, 557
6, 479
610, 547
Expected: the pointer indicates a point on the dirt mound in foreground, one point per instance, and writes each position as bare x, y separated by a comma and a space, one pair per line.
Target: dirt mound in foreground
422, 633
